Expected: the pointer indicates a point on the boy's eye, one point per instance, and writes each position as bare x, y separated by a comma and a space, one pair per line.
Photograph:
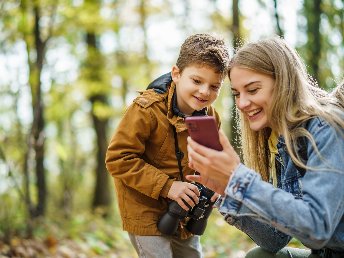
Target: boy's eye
215, 88
196, 81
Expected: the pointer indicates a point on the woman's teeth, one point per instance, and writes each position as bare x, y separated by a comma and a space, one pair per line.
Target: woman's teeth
254, 112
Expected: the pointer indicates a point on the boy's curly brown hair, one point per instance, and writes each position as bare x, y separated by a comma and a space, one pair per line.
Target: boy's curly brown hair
205, 50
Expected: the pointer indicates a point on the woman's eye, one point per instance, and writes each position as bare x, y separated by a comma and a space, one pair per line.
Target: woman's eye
196, 81
235, 94
252, 91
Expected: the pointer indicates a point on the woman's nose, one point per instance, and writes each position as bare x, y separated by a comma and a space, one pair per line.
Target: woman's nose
242, 102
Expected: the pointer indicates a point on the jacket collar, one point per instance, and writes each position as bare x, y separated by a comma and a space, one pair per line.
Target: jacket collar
174, 115
177, 112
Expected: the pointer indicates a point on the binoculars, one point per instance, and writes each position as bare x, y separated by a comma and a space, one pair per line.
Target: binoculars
198, 215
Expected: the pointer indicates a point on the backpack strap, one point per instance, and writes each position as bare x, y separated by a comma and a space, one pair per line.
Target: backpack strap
179, 154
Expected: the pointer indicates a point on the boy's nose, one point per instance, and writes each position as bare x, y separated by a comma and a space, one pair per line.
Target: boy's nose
204, 90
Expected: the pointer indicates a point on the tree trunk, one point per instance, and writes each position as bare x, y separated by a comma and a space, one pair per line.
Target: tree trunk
36, 136
236, 23
143, 17
235, 135
102, 195
313, 13
278, 26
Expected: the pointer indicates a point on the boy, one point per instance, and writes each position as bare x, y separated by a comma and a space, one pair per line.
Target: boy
142, 153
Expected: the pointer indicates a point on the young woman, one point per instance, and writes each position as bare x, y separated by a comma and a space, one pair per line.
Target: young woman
293, 147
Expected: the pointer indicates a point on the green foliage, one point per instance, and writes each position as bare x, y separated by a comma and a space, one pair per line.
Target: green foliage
12, 216
102, 111
223, 240
325, 51
97, 236
115, 68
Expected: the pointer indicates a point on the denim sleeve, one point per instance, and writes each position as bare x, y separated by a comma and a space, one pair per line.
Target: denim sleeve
240, 216
313, 219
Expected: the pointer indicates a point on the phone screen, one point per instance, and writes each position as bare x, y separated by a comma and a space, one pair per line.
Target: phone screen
203, 129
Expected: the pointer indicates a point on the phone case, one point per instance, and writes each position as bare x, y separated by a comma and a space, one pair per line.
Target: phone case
203, 129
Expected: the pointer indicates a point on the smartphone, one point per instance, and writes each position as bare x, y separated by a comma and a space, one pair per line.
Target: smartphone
203, 129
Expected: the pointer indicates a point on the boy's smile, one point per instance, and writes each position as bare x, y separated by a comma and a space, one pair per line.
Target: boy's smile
197, 87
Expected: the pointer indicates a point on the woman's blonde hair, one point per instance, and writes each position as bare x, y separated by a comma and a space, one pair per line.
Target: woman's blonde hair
296, 99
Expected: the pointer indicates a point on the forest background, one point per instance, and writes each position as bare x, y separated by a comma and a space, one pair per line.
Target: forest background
68, 70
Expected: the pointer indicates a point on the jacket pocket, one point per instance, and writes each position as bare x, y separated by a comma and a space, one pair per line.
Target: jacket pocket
140, 206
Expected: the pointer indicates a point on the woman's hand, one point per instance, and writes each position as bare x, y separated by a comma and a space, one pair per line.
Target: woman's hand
215, 167
184, 193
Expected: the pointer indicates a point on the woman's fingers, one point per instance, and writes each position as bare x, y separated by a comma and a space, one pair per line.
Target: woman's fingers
215, 167
198, 148
208, 182
197, 160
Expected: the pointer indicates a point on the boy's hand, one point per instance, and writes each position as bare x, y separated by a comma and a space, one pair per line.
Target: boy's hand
183, 192
215, 197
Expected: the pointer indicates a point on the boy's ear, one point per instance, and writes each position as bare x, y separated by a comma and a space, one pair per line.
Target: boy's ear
175, 73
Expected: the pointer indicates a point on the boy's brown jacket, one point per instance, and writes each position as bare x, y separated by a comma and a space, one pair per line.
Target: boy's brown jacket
141, 158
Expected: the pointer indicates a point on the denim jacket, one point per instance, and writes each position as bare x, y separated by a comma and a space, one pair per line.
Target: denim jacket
309, 208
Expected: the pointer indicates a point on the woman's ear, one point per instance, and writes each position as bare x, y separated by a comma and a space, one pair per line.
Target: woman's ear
175, 73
